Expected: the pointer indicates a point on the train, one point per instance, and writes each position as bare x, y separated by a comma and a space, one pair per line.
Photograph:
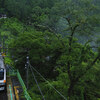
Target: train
2, 74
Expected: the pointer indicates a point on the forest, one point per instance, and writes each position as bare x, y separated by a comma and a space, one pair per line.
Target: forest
61, 39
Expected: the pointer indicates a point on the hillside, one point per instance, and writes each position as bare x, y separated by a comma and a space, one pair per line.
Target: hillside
54, 37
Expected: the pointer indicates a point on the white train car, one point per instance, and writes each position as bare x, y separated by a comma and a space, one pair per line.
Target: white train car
2, 74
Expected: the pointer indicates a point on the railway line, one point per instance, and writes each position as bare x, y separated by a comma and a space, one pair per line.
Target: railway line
12, 86
12, 91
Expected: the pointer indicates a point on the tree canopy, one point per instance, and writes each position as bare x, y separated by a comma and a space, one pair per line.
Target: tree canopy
61, 38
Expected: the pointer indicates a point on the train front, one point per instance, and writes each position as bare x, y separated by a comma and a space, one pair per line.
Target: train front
2, 79
2, 75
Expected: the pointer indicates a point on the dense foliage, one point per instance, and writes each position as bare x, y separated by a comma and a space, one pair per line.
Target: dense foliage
58, 37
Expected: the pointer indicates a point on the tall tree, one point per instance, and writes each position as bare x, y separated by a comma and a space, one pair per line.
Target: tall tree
81, 19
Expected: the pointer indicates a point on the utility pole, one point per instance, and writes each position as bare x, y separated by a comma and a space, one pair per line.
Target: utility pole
27, 68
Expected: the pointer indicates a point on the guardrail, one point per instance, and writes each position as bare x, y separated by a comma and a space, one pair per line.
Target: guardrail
16, 73
23, 86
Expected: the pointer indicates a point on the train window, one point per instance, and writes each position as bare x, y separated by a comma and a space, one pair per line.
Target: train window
1, 74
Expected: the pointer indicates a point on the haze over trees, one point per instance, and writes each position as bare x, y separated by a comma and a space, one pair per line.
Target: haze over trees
57, 36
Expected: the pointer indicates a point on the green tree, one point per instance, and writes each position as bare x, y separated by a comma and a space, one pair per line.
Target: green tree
80, 20
41, 49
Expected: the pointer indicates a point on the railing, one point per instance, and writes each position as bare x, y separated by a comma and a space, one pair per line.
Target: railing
16, 73
27, 96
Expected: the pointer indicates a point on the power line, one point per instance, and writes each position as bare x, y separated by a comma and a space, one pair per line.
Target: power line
48, 82
36, 82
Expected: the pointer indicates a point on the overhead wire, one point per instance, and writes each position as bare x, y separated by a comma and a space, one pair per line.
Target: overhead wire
37, 82
48, 82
